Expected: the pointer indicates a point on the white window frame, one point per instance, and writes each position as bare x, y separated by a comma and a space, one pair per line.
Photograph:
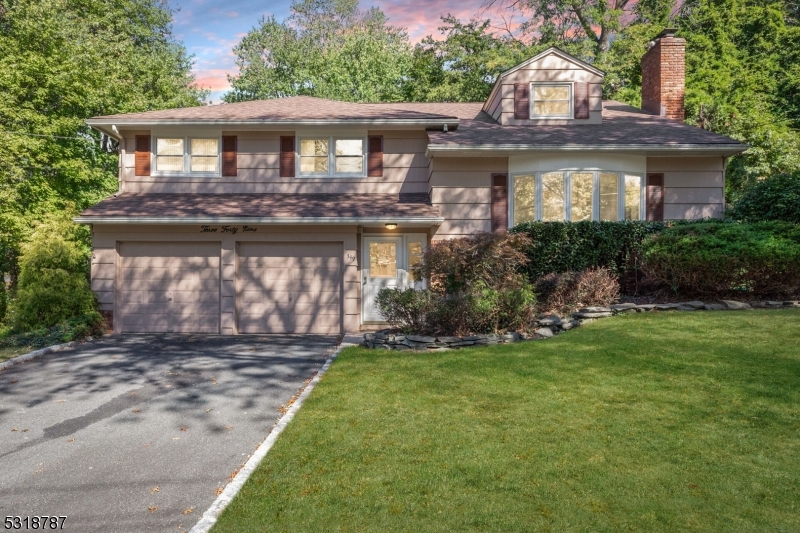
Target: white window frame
532, 99
187, 157
568, 193
332, 156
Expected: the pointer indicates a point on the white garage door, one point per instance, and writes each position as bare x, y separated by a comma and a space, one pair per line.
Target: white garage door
169, 287
289, 288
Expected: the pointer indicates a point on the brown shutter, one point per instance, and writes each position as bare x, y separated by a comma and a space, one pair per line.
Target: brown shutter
229, 167
581, 100
499, 203
655, 197
287, 157
142, 162
522, 99
375, 157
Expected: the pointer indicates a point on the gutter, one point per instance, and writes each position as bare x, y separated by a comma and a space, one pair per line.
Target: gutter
728, 149
279, 221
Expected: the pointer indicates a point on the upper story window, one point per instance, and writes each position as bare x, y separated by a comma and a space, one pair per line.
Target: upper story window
551, 100
332, 156
575, 196
187, 156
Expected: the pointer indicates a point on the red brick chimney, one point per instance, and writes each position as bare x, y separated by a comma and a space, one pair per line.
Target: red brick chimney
664, 76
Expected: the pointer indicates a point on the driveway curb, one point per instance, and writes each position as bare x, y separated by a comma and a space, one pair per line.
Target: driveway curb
40, 352
209, 518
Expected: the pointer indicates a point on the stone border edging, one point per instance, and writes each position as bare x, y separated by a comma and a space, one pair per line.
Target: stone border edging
547, 326
40, 352
209, 518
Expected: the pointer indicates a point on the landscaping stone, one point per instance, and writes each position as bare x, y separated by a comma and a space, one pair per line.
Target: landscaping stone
623, 307
734, 305
793, 303
666, 307
544, 332
695, 304
685, 307
774, 304
714, 307
569, 324
549, 320
449, 340
420, 338
646, 307
591, 314
595, 310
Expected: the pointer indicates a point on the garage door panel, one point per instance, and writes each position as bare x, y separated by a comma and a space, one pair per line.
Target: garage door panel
289, 287
169, 287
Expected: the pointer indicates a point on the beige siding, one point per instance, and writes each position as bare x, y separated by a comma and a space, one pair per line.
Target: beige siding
406, 169
694, 187
461, 189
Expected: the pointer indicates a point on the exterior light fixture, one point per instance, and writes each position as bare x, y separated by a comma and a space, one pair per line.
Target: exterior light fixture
391, 225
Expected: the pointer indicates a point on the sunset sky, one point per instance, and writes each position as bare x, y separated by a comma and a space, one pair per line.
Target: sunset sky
210, 28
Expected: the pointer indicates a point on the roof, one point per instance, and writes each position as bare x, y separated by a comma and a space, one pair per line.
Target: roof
194, 208
558, 52
291, 110
624, 128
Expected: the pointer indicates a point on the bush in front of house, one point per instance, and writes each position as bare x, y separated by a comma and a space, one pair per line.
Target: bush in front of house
775, 198
53, 284
558, 247
726, 259
565, 292
475, 285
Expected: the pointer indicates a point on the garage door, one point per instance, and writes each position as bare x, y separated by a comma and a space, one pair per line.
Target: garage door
169, 287
289, 287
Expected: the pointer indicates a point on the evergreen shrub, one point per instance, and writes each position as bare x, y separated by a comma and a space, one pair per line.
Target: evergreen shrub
775, 198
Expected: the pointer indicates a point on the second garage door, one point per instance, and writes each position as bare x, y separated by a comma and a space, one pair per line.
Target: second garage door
289, 288
169, 287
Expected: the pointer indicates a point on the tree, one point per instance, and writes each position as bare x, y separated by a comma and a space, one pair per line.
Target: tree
464, 65
62, 61
326, 48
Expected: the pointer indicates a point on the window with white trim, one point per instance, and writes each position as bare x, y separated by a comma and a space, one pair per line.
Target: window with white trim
317, 159
575, 196
551, 100
192, 156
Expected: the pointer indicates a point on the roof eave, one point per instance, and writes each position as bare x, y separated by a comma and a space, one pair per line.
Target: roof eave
648, 149
100, 123
281, 221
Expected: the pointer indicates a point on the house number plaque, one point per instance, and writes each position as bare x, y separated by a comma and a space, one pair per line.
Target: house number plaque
233, 230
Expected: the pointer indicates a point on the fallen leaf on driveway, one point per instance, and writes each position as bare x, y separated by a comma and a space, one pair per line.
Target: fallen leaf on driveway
152, 509
14, 429
209, 410
14, 380
154, 489
184, 428
136, 411
71, 440
218, 491
188, 510
60, 401
24, 430
228, 427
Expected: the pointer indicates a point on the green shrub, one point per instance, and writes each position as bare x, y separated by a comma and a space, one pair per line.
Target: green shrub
3, 300
726, 259
558, 247
73, 329
475, 286
568, 291
53, 282
775, 198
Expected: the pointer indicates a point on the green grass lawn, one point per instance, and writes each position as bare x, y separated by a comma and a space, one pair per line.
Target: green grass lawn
647, 422
11, 352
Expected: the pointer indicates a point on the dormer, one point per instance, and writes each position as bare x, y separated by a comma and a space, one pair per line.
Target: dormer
551, 88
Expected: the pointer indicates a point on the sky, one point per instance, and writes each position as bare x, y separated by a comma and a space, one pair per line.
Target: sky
211, 28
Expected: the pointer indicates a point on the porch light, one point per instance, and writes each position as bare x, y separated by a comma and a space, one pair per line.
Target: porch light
391, 225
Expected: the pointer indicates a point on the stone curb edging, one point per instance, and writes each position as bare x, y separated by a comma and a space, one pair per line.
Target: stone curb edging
547, 326
209, 518
40, 352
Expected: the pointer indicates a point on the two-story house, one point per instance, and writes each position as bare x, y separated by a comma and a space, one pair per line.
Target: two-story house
288, 215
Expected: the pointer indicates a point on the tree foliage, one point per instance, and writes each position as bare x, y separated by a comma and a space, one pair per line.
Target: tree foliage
326, 48
62, 61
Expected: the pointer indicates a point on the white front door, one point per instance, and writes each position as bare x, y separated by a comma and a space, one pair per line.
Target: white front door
385, 265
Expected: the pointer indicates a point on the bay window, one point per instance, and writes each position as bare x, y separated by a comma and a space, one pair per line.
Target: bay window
576, 196
317, 159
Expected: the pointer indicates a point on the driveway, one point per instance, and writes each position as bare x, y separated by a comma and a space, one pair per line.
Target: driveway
138, 433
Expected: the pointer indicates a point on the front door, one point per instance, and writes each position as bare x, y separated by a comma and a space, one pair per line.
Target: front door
384, 264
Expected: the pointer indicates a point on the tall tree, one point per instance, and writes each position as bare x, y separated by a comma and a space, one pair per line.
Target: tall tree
62, 61
326, 48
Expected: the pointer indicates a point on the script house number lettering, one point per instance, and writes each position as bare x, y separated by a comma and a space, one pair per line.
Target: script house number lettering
233, 230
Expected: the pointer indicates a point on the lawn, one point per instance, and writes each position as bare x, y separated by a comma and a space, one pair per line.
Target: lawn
7, 352
648, 422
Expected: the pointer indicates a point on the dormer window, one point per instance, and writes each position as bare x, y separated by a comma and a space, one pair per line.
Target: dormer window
551, 100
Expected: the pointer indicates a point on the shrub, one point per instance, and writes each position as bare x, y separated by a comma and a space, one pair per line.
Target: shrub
73, 329
775, 198
475, 286
761, 259
53, 283
568, 291
576, 246
3, 300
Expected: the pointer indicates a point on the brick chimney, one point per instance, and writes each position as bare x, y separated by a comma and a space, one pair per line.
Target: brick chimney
664, 76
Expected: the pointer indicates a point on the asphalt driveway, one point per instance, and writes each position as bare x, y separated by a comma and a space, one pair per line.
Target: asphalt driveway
138, 433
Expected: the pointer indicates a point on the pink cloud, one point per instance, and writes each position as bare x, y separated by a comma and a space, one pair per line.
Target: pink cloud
212, 79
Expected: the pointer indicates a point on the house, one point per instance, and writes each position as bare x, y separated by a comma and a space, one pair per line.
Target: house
289, 215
